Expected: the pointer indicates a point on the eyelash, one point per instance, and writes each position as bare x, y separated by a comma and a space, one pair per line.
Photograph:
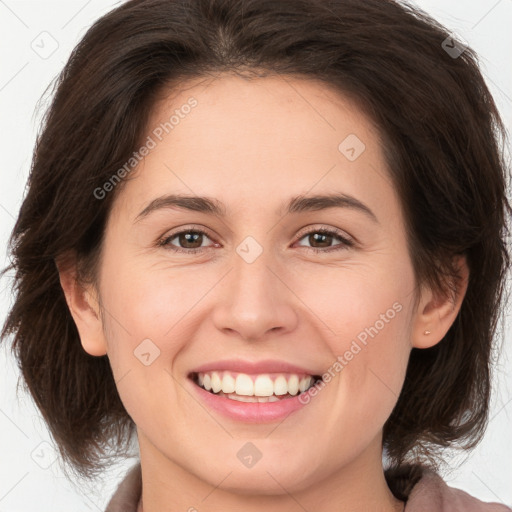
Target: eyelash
346, 243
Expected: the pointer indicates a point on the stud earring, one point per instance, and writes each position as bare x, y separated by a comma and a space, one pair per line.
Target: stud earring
426, 332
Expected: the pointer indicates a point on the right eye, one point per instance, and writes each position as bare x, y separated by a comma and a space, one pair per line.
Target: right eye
185, 237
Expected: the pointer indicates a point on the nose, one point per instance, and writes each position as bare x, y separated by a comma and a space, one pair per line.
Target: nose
255, 300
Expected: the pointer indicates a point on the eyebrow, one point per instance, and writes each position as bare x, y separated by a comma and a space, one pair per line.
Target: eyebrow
297, 204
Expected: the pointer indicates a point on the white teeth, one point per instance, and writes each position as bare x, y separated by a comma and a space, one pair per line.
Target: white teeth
216, 382
228, 383
244, 385
262, 386
305, 383
268, 399
280, 386
293, 385
241, 398
253, 399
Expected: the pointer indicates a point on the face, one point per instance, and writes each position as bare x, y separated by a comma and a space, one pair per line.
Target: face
324, 288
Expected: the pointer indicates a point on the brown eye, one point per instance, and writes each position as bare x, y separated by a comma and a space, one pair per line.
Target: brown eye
188, 241
191, 241
321, 240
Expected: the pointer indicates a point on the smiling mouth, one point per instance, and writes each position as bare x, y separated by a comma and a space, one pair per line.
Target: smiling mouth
259, 388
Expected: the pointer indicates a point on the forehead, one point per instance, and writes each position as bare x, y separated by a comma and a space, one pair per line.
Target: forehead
250, 142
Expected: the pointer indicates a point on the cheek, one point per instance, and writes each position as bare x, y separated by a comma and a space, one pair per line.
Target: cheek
153, 300
364, 315
148, 325
356, 302
144, 320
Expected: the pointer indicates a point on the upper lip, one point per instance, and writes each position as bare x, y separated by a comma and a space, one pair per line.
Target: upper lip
253, 367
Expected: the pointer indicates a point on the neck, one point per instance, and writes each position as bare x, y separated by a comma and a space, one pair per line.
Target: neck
357, 486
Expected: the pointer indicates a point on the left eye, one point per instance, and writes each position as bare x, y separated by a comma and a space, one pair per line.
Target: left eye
323, 236
193, 239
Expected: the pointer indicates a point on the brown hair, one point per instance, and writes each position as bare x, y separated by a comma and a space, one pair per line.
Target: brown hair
444, 140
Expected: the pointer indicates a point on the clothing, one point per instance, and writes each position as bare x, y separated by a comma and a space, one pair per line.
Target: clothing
430, 494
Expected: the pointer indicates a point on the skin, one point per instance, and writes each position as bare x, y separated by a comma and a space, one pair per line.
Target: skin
253, 144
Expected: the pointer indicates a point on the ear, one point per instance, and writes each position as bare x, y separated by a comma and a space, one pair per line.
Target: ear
83, 304
437, 313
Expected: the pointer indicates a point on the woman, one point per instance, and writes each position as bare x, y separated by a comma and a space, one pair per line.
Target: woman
268, 238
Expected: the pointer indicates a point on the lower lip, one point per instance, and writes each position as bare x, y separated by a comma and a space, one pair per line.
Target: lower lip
250, 412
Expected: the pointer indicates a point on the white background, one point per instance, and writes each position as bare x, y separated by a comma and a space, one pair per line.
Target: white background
24, 75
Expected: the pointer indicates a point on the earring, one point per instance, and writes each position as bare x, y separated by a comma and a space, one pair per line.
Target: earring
426, 332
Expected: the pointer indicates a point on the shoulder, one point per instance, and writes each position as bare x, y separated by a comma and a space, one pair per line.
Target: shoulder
128, 493
431, 493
